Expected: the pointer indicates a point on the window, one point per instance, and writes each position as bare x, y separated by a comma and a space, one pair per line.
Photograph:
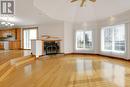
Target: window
88, 39
113, 39
29, 34
83, 40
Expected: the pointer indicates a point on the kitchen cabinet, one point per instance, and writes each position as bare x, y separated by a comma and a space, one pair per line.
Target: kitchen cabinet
13, 44
1, 46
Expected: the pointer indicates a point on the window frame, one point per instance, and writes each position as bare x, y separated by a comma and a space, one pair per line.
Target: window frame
84, 48
113, 39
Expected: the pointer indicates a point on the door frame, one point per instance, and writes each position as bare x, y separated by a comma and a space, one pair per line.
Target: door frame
28, 28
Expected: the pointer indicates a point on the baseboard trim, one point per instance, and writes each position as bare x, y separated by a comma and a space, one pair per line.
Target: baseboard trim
119, 58
110, 56
81, 53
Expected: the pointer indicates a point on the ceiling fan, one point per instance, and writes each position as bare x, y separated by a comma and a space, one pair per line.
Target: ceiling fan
83, 1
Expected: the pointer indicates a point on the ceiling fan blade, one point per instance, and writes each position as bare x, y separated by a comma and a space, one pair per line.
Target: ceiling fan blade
82, 3
73, 0
93, 0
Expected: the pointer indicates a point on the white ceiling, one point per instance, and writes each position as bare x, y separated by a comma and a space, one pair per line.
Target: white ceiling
66, 11
35, 12
27, 14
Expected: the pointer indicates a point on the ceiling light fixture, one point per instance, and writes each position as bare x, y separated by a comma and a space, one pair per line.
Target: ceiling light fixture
7, 21
7, 24
83, 2
3, 23
11, 24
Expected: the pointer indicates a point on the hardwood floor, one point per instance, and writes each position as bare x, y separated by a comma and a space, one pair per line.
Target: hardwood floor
6, 55
71, 71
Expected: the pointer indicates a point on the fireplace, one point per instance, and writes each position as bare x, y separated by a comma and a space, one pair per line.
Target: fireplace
51, 47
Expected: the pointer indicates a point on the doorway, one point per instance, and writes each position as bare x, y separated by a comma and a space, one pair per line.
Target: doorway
28, 35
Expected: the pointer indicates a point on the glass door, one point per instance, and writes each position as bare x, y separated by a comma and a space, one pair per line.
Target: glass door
28, 35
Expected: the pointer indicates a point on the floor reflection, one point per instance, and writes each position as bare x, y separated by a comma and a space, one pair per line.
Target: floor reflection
70, 71
27, 70
89, 67
109, 72
26, 52
114, 73
84, 66
80, 66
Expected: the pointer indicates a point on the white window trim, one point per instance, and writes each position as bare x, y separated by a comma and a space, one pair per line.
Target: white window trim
83, 49
113, 50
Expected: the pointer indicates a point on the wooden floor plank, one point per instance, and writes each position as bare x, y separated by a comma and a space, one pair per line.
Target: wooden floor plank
71, 71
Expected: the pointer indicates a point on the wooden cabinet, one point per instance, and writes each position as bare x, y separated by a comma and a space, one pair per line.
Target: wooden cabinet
1, 46
14, 45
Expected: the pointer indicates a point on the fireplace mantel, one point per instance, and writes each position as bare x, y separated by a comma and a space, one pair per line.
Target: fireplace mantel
46, 40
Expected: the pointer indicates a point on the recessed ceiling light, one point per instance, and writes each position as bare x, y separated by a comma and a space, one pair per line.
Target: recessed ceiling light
6, 24
3, 23
11, 19
11, 24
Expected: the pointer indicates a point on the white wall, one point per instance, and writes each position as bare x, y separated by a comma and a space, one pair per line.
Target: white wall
128, 41
95, 36
123, 18
67, 31
68, 37
64, 30
51, 29
56, 29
